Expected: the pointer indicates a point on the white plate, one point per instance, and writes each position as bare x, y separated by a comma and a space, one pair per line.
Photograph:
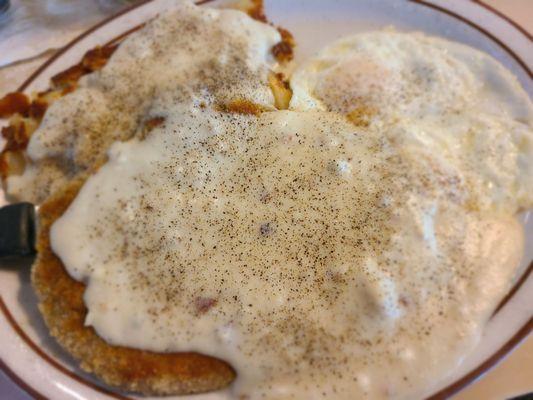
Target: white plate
43, 369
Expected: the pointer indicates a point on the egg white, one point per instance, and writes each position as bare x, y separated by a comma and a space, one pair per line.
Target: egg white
435, 97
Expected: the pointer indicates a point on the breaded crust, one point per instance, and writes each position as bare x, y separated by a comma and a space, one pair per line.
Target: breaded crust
61, 304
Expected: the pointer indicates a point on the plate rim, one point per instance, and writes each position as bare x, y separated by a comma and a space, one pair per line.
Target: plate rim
446, 392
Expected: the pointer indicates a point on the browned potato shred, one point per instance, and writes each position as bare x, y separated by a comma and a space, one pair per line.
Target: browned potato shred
256, 10
284, 50
241, 106
37, 108
26, 115
15, 136
14, 103
97, 58
93, 60
12, 163
281, 90
69, 77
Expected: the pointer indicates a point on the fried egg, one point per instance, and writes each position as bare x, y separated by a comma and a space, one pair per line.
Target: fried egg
436, 97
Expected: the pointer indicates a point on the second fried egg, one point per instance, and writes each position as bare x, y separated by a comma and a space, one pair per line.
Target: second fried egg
433, 97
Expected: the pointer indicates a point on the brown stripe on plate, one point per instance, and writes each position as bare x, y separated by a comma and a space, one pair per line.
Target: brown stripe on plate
69, 45
515, 288
504, 17
486, 365
482, 30
441, 395
20, 383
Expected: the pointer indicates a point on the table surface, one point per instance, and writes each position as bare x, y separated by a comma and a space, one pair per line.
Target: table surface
513, 376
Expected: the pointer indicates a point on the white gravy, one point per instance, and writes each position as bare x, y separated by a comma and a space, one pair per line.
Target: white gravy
316, 258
